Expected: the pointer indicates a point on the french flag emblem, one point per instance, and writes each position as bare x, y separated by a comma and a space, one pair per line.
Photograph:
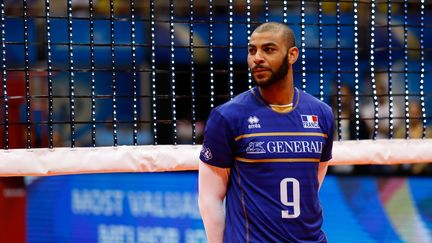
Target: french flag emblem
310, 121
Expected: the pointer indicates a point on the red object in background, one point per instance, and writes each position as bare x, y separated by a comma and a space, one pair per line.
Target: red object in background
15, 88
12, 189
12, 210
13, 197
16, 92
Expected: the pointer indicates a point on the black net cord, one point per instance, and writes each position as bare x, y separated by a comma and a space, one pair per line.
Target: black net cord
212, 84
113, 75
303, 42
406, 97
71, 76
338, 71
134, 74
4, 77
320, 46
248, 30
92, 68
49, 76
356, 72
266, 10
192, 69
422, 67
390, 67
230, 50
26, 73
372, 67
173, 77
153, 72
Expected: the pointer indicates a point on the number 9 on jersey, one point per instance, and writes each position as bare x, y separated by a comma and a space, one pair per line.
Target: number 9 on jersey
291, 185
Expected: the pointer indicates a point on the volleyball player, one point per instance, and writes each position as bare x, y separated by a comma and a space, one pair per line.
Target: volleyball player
265, 152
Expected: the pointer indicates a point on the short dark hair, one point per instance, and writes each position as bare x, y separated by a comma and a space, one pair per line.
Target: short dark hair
276, 27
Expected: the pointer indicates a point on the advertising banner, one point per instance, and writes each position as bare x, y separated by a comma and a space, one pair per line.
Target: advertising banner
162, 207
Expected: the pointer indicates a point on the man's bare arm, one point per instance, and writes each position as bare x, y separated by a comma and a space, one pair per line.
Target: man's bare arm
212, 187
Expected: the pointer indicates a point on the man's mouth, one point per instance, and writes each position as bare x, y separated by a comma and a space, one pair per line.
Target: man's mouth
260, 70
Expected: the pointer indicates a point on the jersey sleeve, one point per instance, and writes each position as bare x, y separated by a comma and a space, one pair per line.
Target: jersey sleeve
328, 147
218, 145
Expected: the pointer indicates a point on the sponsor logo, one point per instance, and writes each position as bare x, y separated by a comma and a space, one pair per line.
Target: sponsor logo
255, 148
310, 121
282, 147
253, 122
295, 147
206, 153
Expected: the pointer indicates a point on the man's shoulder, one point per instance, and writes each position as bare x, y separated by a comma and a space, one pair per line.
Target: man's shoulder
312, 99
235, 105
315, 103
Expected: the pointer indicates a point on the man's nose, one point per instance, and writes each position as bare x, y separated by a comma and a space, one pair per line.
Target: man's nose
258, 58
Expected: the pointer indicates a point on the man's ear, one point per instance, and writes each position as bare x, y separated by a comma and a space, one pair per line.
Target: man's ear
293, 54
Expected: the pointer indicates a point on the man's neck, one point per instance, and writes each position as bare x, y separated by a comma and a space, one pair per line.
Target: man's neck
280, 93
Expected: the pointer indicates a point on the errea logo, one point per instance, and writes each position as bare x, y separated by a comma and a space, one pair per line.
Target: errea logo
253, 122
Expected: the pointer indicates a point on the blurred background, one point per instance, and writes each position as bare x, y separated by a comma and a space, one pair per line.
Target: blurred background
89, 73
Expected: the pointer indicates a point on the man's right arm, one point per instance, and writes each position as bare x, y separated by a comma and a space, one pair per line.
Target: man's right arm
212, 187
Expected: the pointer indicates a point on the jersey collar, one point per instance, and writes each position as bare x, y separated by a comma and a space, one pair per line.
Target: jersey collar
296, 97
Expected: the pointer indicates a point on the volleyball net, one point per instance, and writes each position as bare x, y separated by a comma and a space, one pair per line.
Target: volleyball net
126, 86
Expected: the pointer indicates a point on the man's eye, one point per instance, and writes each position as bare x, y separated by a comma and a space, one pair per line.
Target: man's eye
252, 51
268, 49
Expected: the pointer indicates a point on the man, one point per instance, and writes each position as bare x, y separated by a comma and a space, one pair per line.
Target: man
265, 152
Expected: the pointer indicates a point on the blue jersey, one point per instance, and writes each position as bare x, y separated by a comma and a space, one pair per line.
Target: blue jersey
272, 193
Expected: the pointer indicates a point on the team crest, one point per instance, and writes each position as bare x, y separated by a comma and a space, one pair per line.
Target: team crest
310, 121
206, 152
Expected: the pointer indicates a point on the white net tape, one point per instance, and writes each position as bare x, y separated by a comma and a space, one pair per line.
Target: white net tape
151, 158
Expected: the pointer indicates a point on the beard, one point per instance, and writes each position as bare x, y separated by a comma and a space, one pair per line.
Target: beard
276, 75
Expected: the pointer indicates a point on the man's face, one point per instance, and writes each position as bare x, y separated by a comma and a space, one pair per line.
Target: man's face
267, 58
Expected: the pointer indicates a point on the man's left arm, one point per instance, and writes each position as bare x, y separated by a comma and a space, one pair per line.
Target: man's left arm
328, 147
212, 187
322, 170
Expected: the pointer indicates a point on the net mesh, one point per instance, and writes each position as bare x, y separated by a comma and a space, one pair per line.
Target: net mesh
90, 74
